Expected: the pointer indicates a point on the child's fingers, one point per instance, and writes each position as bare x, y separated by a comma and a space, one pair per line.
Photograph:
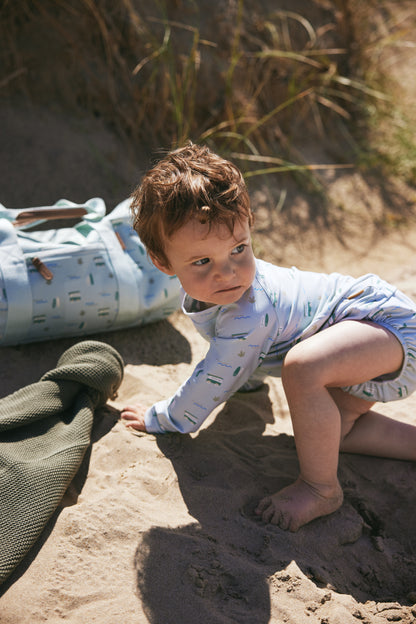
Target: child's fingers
130, 416
133, 417
139, 409
132, 422
137, 426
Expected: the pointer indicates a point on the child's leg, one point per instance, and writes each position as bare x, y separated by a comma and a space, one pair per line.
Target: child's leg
345, 354
370, 433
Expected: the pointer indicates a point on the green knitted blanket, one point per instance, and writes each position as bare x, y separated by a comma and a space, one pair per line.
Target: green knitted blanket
44, 433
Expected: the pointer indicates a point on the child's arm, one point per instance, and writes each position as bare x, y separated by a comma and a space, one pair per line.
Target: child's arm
133, 416
237, 349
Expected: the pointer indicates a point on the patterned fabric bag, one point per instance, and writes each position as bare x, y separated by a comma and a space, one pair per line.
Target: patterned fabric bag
73, 281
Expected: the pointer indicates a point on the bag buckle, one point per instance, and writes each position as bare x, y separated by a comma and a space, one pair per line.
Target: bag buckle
42, 269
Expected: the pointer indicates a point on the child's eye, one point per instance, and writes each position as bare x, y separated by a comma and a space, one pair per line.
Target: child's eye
239, 249
201, 262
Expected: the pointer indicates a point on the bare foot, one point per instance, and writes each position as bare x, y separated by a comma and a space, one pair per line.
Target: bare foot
299, 503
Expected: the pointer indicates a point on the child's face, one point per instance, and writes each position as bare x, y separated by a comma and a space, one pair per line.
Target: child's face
213, 266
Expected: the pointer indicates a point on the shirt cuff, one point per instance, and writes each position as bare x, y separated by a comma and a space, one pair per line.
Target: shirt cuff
157, 419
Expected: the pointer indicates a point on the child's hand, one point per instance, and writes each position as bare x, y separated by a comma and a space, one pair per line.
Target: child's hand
133, 416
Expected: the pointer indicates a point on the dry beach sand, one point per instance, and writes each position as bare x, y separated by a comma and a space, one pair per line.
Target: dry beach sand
163, 530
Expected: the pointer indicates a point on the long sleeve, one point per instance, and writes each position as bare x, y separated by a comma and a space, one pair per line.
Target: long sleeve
241, 337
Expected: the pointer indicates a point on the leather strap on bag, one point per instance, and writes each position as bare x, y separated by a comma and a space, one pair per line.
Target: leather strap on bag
30, 216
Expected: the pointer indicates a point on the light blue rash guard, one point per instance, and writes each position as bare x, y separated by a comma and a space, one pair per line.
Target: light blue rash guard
249, 339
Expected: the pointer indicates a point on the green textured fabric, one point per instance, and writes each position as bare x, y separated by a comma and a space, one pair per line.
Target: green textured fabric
45, 430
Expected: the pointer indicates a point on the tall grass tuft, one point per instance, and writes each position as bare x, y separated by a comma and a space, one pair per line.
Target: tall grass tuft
255, 81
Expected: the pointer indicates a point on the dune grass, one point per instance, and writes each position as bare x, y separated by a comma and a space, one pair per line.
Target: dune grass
252, 83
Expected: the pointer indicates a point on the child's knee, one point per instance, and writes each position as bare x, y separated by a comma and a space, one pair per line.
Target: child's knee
301, 365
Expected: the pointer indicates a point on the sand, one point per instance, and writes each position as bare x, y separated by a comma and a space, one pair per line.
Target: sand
161, 529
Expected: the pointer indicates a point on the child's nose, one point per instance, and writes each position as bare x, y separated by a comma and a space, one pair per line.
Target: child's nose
224, 271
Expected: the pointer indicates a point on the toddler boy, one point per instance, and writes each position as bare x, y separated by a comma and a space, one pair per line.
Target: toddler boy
339, 343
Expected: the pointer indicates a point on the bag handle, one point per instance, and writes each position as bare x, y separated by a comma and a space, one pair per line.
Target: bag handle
22, 218
35, 214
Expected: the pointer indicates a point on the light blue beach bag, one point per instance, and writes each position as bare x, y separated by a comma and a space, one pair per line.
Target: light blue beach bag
73, 281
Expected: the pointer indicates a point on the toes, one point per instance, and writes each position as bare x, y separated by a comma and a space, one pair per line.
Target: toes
274, 515
265, 509
263, 504
293, 525
268, 512
282, 520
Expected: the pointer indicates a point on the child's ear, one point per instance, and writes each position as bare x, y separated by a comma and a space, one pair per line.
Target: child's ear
161, 266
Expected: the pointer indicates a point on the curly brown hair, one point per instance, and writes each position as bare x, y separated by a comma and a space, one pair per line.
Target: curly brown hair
190, 182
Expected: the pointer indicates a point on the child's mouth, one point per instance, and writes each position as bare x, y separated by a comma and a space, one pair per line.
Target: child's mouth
228, 290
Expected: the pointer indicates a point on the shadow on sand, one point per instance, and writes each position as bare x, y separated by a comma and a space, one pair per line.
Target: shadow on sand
366, 549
